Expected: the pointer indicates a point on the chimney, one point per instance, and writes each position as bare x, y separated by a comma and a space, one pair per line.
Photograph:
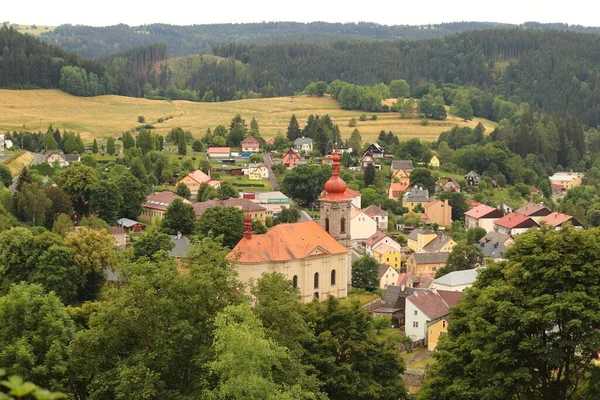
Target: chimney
248, 228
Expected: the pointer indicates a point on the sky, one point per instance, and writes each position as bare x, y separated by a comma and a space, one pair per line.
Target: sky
387, 12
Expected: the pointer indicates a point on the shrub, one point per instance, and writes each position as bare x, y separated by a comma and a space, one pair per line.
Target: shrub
363, 117
373, 117
352, 123
161, 120
424, 122
141, 119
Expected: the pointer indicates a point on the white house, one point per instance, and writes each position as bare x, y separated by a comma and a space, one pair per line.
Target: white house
482, 216
380, 216
427, 306
257, 171
379, 238
361, 225
388, 276
456, 281
303, 145
63, 160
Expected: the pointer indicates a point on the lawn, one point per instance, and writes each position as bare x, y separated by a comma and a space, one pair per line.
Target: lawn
244, 180
18, 161
419, 360
105, 116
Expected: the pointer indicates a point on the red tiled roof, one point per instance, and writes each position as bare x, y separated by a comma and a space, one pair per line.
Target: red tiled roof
351, 193
162, 200
116, 230
435, 304
483, 210
397, 188
533, 208
286, 242
243, 203
557, 219
373, 211
376, 237
250, 140
513, 220
199, 176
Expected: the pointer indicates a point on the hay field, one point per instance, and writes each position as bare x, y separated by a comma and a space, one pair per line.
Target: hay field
38, 30
105, 116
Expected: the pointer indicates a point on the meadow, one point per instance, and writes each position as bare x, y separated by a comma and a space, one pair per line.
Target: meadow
105, 116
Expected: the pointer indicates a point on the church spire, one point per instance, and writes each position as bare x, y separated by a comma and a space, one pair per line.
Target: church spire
335, 186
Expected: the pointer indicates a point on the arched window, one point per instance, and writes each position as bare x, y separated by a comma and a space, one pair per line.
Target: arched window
316, 280
327, 224
343, 225
295, 281
332, 277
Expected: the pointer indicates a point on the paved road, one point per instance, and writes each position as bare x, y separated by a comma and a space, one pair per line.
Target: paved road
304, 216
37, 159
269, 163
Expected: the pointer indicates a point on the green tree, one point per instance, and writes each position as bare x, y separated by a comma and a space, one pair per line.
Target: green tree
106, 201
34, 335
458, 202
207, 192
5, 176
227, 191
197, 146
134, 194
475, 234
32, 203
183, 190
56, 272
462, 256
293, 131
355, 141
181, 144
288, 216
399, 88
381, 323
128, 141
151, 243
422, 177
141, 119
63, 225
179, 217
536, 330
110, 146
305, 183
258, 227
77, 180
95, 147
50, 141
15, 252
365, 273
226, 221
369, 175
61, 204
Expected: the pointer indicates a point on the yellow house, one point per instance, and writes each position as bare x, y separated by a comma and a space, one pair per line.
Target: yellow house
388, 276
416, 196
434, 162
386, 254
439, 212
194, 179
419, 238
567, 180
435, 330
401, 176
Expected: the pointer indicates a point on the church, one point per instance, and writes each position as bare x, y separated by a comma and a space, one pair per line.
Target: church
314, 256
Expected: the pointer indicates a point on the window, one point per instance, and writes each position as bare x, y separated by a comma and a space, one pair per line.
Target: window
416, 312
343, 225
443, 323
295, 281
415, 324
327, 224
316, 283
333, 277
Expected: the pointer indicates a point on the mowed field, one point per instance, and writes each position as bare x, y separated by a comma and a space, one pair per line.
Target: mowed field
104, 116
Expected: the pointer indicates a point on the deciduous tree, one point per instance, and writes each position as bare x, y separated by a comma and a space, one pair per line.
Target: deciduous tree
179, 217
365, 273
226, 221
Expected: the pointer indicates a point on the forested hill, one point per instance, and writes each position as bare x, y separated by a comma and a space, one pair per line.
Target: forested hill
99, 42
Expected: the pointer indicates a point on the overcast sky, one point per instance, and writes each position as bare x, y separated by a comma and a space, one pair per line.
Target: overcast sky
389, 12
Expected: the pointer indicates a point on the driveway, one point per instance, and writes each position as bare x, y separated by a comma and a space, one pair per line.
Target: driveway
268, 161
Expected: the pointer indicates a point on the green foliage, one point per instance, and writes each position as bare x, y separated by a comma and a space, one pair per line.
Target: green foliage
399, 88
133, 193
226, 221
110, 146
106, 201
78, 82
141, 119
288, 216
151, 243
381, 323
31, 204
475, 234
365, 273
179, 217
95, 147
422, 177
77, 181
462, 256
5, 175
369, 175
183, 190
304, 183
293, 131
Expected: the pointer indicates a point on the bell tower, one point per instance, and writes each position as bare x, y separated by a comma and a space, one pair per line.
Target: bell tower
336, 205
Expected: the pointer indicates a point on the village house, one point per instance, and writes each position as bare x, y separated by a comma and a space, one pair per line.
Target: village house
375, 150
396, 190
181, 247
273, 202
156, 204
493, 245
425, 307
366, 160
54, 157
535, 211
472, 178
401, 176
291, 158
439, 212
441, 244
252, 210
250, 144
426, 263
120, 236
434, 162
417, 195
557, 220
131, 225
256, 172
506, 240
379, 238
435, 329
482, 216
270, 141
304, 252
218, 153
567, 180
406, 165
194, 179
419, 238
388, 255
362, 226
303, 145
327, 158
451, 185
380, 216
514, 224
344, 149
387, 276
456, 281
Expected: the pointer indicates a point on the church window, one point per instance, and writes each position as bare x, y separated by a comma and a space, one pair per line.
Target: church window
327, 224
343, 225
332, 277
295, 281
316, 285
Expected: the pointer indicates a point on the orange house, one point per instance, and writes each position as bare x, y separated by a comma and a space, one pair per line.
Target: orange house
439, 212
194, 179
250, 144
291, 158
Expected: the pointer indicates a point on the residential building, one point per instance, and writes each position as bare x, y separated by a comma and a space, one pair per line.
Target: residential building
535, 211
181, 246
194, 179
291, 158
393, 304
472, 178
380, 216
54, 157
379, 238
557, 220
362, 226
514, 224
494, 247
493, 237
456, 281
451, 185
425, 307
119, 235
251, 209
401, 176
273, 202
256, 172
387, 276
434, 162
417, 195
250, 144
270, 141
303, 145
344, 149
336, 206
355, 196
439, 212
426, 263
367, 159
435, 329
419, 238
388, 255
304, 252
156, 204
406, 165
567, 180
375, 150
482, 216
218, 153
131, 225
440, 244
327, 158
396, 190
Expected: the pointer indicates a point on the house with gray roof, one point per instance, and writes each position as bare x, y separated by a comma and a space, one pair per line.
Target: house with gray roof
456, 281
472, 178
181, 247
303, 144
406, 165
417, 195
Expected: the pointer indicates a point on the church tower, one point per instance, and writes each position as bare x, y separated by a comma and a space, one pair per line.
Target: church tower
336, 205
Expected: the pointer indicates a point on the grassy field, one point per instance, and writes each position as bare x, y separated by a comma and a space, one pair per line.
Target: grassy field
20, 160
36, 31
105, 116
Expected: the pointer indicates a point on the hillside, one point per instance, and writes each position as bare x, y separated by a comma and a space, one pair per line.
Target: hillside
104, 116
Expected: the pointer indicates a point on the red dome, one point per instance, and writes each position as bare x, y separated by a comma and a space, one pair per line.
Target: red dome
335, 184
